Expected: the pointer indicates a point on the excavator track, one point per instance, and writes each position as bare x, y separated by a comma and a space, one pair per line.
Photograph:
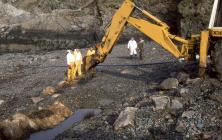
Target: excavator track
217, 59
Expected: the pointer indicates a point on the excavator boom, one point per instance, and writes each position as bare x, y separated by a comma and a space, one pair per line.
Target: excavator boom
153, 28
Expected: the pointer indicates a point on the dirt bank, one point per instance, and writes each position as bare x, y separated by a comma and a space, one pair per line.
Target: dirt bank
51, 25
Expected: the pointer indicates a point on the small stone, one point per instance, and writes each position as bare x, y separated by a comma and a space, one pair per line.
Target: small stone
176, 105
126, 104
217, 98
73, 88
170, 121
183, 91
126, 118
1, 102
193, 81
144, 103
168, 116
160, 102
48, 91
188, 114
56, 95
36, 100
53, 60
105, 102
207, 136
170, 83
126, 71
40, 108
110, 119
181, 127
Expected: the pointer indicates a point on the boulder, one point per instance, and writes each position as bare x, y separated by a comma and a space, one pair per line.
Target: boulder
170, 83
17, 127
21, 125
126, 118
176, 104
160, 102
49, 91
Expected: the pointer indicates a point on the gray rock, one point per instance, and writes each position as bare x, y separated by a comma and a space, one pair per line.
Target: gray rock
160, 102
170, 83
126, 118
176, 105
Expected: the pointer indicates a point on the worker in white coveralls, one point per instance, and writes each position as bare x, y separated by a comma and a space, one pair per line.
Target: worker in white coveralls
132, 46
78, 62
70, 63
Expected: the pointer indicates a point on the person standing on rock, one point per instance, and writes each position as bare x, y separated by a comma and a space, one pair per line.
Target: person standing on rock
78, 62
140, 48
70, 63
132, 46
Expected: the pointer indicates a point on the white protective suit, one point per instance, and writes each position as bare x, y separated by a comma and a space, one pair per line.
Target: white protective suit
70, 58
132, 46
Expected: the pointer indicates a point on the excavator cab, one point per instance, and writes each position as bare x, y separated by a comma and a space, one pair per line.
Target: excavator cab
215, 37
215, 25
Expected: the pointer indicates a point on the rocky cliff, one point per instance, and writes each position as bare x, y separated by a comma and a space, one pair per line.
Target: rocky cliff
61, 24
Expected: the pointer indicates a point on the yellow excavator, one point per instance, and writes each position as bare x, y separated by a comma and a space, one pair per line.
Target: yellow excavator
207, 43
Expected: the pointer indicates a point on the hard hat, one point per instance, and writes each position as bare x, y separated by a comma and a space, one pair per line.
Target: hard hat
68, 51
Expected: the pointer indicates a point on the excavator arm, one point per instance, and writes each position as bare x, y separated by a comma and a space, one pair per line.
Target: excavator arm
152, 28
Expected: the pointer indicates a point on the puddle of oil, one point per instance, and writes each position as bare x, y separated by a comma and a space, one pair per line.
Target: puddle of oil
79, 115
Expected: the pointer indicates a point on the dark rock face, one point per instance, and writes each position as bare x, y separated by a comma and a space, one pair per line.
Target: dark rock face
195, 15
49, 25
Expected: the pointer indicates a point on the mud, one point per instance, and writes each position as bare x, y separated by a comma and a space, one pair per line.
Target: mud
112, 89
